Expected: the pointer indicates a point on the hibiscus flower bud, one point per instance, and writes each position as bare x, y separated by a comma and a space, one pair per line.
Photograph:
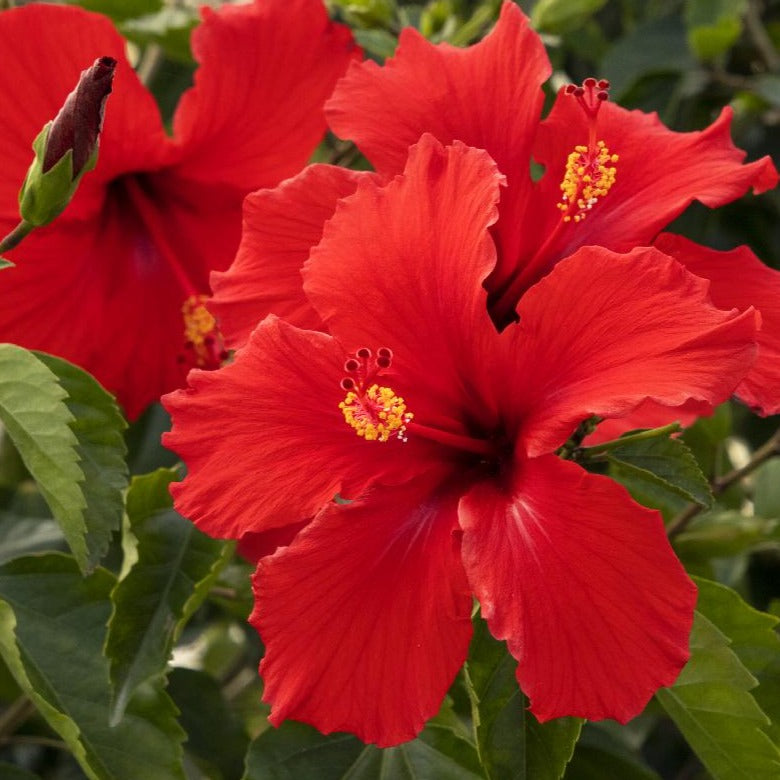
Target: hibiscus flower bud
67, 147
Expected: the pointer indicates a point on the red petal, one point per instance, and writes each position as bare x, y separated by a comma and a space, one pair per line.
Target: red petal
402, 266
488, 96
34, 82
255, 113
365, 617
583, 585
645, 328
280, 228
659, 174
264, 440
739, 279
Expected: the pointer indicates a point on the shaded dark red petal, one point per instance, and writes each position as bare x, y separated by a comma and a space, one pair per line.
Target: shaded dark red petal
583, 585
487, 95
280, 228
255, 113
365, 617
659, 173
401, 266
645, 328
264, 440
739, 279
255, 545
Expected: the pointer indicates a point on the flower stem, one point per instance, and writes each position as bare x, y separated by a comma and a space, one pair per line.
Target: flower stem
652, 433
768, 450
14, 238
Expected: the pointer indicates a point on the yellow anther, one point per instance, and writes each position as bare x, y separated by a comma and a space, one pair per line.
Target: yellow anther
200, 331
376, 414
589, 176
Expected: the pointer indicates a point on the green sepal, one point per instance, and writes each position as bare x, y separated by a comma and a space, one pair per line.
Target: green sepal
44, 196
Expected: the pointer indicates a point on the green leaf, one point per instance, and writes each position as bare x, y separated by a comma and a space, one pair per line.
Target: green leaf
659, 466
511, 742
714, 26
766, 490
119, 10
11, 772
99, 427
175, 567
657, 46
380, 44
556, 16
723, 534
52, 627
35, 414
754, 639
24, 535
5, 263
169, 28
599, 755
214, 734
298, 752
711, 706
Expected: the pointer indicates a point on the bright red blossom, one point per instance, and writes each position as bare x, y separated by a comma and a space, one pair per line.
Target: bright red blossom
116, 283
630, 174
365, 616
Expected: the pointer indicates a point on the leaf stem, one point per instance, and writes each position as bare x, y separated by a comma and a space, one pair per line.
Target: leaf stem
652, 433
765, 452
14, 238
15, 715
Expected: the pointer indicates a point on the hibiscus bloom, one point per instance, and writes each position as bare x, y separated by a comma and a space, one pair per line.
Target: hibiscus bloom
116, 284
612, 178
441, 432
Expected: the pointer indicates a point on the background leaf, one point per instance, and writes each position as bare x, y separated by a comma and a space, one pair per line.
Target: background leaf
711, 706
175, 567
52, 628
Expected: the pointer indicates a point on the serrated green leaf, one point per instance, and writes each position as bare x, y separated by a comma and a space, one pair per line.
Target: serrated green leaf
713, 26
99, 426
298, 752
214, 734
753, 636
662, 463
175, 567
52, 627
511, 742
34, 411
712, 707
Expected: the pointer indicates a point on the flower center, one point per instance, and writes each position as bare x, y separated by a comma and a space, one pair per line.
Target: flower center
202, 339
590, 171
372, 410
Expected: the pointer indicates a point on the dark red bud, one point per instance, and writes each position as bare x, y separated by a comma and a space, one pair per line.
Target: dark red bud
80, 119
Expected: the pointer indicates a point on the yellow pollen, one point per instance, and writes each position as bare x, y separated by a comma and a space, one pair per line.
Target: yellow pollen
200, 331
589, 176
377, 414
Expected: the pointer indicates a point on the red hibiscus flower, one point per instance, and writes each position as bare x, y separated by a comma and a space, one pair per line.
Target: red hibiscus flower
441, 432
612, 178
116, 284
